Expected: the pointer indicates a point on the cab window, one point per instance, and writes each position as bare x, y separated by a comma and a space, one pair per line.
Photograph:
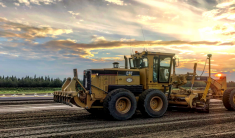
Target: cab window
138, 63
164, 69
143, 62
155, 69
131, 63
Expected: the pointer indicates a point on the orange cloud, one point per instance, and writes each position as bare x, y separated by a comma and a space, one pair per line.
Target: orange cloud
188, 52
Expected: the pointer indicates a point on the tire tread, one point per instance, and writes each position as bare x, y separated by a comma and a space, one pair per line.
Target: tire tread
226, 99
142, 100
109, 112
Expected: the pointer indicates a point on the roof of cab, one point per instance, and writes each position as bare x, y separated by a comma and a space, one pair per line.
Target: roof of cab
156, 53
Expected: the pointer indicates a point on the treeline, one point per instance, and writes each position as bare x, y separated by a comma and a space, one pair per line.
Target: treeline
231, 84
13, 81
30, 81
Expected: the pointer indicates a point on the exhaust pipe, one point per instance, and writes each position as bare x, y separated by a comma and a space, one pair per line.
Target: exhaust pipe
75, 73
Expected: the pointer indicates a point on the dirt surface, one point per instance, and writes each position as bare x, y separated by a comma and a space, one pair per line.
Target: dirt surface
39, 119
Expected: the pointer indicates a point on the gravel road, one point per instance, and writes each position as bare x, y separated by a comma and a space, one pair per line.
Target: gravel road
40, 119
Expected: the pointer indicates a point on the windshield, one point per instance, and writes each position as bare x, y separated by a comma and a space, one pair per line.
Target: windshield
138, 63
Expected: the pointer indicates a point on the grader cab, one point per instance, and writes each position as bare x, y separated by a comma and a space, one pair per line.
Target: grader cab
145, 85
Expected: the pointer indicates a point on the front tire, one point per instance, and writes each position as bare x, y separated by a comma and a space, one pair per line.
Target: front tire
153, 103
120, 104
229, 99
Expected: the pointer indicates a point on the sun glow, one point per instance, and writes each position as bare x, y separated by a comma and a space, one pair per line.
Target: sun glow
218, 75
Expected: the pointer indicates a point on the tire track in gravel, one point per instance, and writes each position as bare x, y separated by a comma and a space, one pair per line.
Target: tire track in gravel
215, 130
79, 123
104, 125
40, 117
107, 129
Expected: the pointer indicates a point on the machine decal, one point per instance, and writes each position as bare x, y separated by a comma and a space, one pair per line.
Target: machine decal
128, 73
129, 79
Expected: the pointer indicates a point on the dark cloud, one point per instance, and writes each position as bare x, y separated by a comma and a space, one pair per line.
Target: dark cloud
104, 44
8, 34
59, 50
213, 2
72, 56
70, 49
13, 29
66, 48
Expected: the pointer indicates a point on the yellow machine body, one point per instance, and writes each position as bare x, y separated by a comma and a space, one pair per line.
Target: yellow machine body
98, 82
146, 71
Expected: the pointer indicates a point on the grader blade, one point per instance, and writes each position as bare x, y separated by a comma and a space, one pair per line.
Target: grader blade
65, 97
69, 94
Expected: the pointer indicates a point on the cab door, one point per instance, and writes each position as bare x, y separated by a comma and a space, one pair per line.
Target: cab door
155, 68
164, 70
161, 71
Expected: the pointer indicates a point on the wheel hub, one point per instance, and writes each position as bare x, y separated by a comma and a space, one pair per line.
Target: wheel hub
123, 105
156, 103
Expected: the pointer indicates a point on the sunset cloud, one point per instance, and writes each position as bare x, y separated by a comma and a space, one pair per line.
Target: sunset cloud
37, 2
117, 2
26, 2
51, 33
17, 4
27, 31
225, 3
146, 18
180, 47
1, 4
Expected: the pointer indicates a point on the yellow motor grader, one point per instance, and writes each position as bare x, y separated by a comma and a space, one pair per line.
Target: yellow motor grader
146, 85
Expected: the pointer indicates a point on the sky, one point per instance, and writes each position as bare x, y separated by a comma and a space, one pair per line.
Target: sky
52, 37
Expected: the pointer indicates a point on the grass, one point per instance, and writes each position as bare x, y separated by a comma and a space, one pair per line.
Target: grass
43, 90
27, 90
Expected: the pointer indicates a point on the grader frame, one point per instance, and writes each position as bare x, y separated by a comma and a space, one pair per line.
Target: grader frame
146, 86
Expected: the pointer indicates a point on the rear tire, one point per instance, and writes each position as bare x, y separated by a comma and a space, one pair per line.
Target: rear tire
229, 99
153, 103
120, 104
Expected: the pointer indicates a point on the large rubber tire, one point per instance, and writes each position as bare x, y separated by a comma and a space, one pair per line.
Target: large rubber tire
144, 103
110, 107
228, 99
